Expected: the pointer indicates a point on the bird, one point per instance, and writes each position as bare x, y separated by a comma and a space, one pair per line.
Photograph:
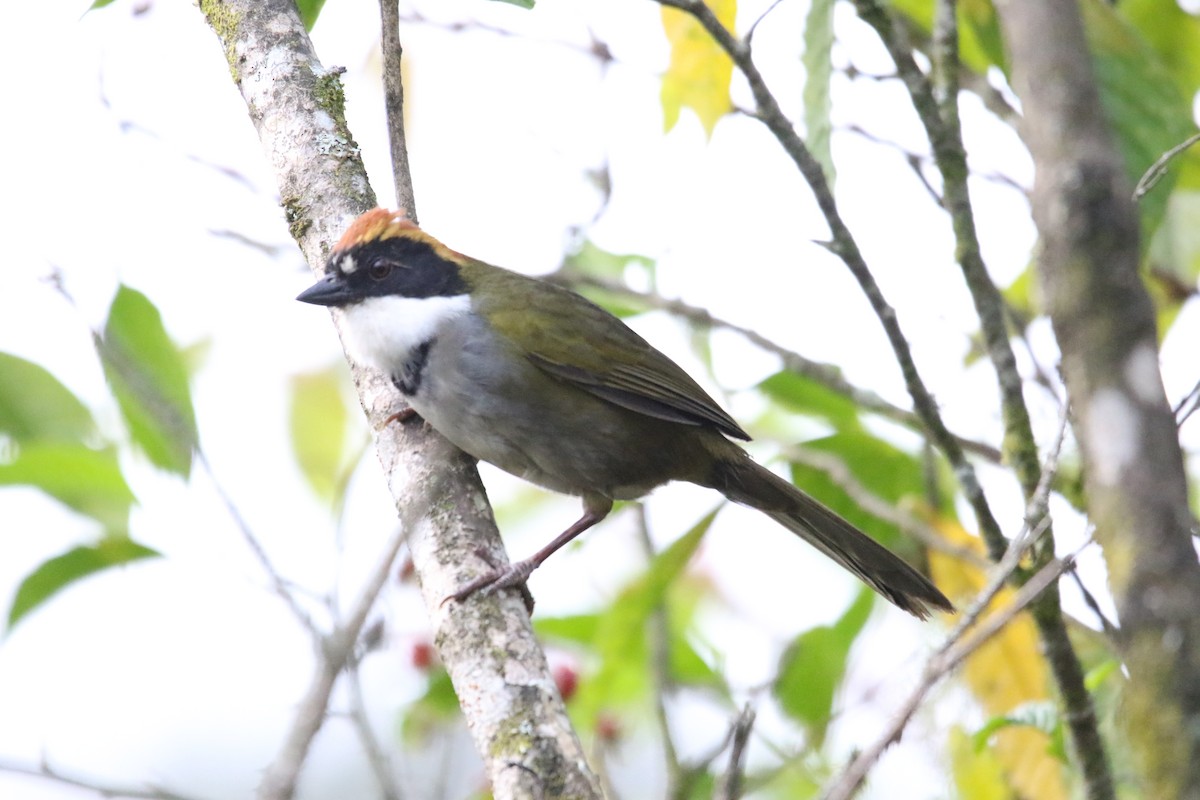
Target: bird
546, 385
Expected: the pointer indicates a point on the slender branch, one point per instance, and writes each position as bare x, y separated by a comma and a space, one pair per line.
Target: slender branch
936, 104
381, 765
844, 245
827, 375
660, 669
1159, 168
282, 588
875, 505
956, 649
51, 773
393, 99
731, 785
336, 653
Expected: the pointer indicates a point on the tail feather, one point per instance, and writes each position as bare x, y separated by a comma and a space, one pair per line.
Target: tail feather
744, 481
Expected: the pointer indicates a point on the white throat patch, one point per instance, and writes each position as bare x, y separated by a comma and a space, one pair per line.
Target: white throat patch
383, 332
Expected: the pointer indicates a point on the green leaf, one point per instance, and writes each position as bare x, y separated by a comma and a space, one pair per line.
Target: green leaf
812, 668
432, 710
100, 4
34, 405
521, 3
1173, 33
320, 428
149, 379
309, 11
88, 481
802, 395
878, 466
1142, 100
818, 71
579, 629
74, 565
620, 638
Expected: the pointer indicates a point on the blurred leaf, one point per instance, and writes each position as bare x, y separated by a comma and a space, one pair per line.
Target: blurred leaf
1142, 100
620, 639
700, 72
34, 405
1004, 674
88, 481
978, 774
149, 379
77, 563
1021, 296
521, 3
580, 629
818, 73
878, 466
437, 706
99, 4
597, 262
811, 669
309, 11
803, 395
1173, 33
320, 428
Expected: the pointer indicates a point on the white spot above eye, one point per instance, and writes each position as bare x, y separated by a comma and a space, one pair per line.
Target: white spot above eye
1143, 376
347, 264
382, 332
1113, 434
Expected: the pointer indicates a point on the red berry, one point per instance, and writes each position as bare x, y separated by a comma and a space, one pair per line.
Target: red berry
566, 678
422, 655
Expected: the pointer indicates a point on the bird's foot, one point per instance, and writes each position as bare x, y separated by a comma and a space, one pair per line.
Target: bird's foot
403, 415
504, 577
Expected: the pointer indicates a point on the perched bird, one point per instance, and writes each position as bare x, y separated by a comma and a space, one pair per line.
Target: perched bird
548, 386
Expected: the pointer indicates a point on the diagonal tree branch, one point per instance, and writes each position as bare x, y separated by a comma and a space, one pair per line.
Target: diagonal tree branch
506, 691
843, 245
936, 104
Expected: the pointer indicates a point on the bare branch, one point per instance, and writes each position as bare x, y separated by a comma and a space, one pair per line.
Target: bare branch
1159, 168
104, 789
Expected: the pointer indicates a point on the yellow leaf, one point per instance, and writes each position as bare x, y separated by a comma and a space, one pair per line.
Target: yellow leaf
977, 775
1005, 673
700, 72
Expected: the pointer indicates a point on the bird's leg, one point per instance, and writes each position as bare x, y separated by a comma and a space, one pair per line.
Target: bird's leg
595, 508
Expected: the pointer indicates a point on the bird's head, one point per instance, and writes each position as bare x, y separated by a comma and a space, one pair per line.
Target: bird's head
384, 254
396, 285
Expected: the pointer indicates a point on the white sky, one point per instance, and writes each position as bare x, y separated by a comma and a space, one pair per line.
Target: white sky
184, 671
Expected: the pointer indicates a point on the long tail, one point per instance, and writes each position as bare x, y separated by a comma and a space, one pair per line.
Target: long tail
743, 481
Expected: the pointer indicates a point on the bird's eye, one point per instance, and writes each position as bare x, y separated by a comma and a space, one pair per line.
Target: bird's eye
380, 268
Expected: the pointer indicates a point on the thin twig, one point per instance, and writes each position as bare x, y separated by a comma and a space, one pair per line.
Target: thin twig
335, 654
827, 375
844, 245
283, 588
660, 667
381, 765
48, 772
876, 506
731, 787
953, 652
1159, 168
393, 98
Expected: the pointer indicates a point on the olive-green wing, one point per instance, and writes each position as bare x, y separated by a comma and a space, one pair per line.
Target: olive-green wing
603, 356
